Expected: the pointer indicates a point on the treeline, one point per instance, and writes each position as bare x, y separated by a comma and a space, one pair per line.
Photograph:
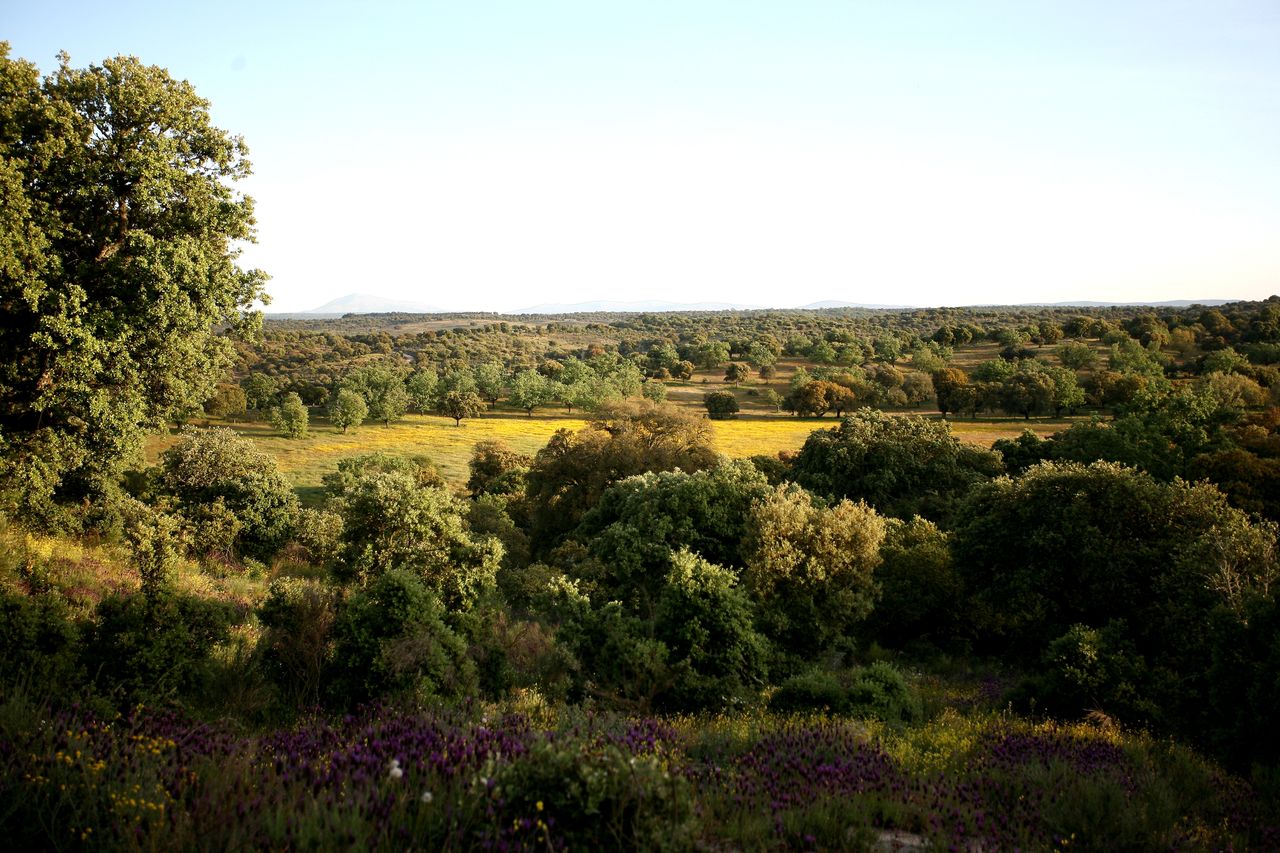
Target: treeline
1050, 363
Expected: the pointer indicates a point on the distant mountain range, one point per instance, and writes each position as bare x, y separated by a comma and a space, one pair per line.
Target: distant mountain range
836, 303
364, 303
1169, 303
607, 306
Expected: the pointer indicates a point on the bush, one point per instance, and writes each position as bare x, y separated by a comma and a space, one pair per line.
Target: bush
39, 640
298, 617
878, 691
390, 521
902, 466
391, 640
154, 647
720, 405
706, 622
318, 533
208, 464
811, 691
921, 593
881, 692
1088, 669
600, 795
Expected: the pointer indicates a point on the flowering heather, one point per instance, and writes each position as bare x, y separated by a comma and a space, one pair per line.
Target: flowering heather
464, 778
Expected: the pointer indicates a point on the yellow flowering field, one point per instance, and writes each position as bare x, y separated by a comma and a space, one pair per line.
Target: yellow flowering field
306, 461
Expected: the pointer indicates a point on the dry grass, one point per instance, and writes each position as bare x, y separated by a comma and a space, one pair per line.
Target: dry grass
85, 572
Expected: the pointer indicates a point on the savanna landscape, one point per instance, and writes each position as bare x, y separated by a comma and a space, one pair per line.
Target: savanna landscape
984, 578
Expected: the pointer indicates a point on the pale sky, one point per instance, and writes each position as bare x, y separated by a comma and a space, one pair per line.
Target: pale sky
478, 155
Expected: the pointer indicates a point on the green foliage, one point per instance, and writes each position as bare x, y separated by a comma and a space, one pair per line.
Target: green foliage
459, 405
720, 405
600, 795
921, 593
809, 568
814, 690
297, 616
383, 390
208, 464
420, 469
40, 641
1028, 390
228, 401
153, 647
878, 691
1129, 356
1075, 355
655, 391
317, 532
496, 469
260, 391
152, 548
390, 639
953, 390
1161, 434
347, 408
1087, 669
491, 381
569, 475
390, 521
618, 658
421, 387
530, 390
117, 269
1243, 689
290, 417
706, 623
691, 645
1223, 361
1071, 545
902, 466
640, 521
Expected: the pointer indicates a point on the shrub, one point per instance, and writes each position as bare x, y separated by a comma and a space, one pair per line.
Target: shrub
208, 464
706, 622
902, 466
298, 617
720, 405
878, 691
318, 533
390, 639
811, 691
39, 640
921, 593
599, 795
154, 647
392, 522
881, 692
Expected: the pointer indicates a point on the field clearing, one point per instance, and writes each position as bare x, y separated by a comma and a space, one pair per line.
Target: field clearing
306, 461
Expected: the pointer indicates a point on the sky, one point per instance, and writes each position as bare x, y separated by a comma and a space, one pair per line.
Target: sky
488, 155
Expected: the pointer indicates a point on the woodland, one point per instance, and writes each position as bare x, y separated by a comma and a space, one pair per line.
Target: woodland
265, 583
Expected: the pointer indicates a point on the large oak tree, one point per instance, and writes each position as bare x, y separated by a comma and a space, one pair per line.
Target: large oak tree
119, 284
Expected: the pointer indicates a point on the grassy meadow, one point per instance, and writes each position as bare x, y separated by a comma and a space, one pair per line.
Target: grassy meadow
305, 461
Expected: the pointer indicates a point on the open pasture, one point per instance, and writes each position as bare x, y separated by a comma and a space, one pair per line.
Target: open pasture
306, 461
